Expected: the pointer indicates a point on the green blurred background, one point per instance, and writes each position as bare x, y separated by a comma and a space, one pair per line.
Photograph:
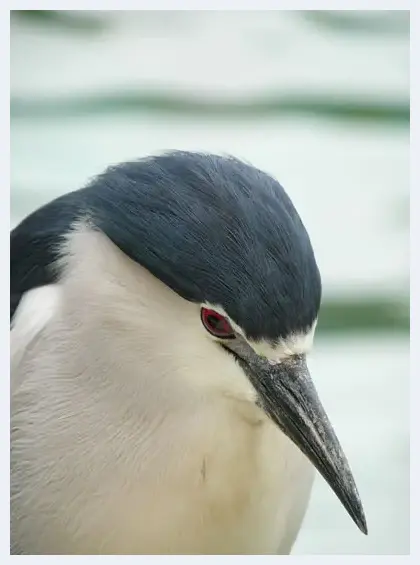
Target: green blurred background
320, 100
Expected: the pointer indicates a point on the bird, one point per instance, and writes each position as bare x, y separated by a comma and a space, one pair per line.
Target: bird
161, 403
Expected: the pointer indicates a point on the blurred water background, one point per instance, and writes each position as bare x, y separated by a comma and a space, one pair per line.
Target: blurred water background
320, 100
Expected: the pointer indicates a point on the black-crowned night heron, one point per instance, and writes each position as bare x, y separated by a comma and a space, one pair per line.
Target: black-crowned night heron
161, 403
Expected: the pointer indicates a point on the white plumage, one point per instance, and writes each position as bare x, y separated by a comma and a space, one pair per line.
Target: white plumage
135, 447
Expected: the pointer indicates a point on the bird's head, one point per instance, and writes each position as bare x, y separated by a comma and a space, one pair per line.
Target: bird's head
237, 290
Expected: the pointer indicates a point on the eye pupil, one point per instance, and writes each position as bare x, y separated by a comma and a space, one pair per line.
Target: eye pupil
216, 324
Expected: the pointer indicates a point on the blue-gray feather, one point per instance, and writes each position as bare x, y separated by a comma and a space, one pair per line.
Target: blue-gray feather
212, 228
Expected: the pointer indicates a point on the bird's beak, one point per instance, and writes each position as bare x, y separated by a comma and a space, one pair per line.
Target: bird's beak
287, 395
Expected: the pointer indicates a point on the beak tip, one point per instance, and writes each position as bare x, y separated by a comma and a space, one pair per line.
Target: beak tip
363, 526
360, 521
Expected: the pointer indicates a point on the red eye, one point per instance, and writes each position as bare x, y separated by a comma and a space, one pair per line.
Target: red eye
216, 324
